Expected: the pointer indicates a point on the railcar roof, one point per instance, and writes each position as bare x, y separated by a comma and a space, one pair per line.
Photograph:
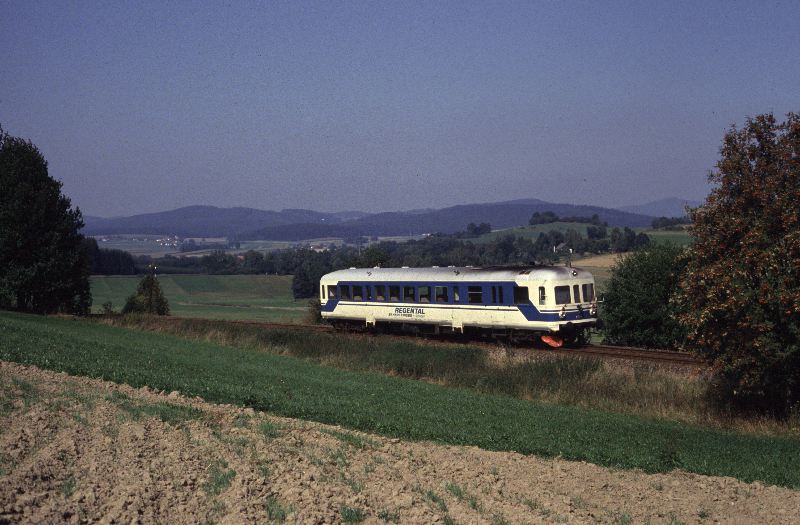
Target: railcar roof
460, 273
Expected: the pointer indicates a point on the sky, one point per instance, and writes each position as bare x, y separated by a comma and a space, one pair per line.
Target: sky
381, 106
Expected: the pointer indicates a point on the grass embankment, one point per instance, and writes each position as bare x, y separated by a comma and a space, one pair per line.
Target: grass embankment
641, 390
392, 406
245, 297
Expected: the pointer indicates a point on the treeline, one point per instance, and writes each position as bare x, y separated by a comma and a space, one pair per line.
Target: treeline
670, 222
548, 217
108, 262
308, 265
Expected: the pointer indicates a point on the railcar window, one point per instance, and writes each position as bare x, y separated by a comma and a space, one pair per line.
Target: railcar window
576, 293
408, 294
331, 291
344, 292
424, 294
542, 295
358, 294
456, 295
475, 294
588, 292
521, 295
562, 295
500, 294
494, 294
322, 291
441, 294
380, 292
394, 293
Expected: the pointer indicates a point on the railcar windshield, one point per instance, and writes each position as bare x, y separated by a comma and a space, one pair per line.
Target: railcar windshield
562, 295
588, 292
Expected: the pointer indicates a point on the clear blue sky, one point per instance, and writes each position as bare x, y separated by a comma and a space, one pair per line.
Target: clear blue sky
388, 105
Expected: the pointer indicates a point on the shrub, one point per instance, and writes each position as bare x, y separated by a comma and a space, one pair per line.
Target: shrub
637, 309
314, 314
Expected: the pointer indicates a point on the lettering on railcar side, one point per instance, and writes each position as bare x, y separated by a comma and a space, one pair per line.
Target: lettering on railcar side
407, 311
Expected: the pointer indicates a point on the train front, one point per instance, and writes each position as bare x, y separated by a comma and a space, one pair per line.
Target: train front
564, 303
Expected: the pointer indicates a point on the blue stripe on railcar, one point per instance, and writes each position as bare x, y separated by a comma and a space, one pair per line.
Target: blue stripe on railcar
528, 310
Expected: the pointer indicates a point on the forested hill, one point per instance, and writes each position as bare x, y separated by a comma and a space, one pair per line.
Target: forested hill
209, 221
249, 223
448, 220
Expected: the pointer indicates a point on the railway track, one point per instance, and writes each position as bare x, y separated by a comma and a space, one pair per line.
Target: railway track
600, 351
640, 354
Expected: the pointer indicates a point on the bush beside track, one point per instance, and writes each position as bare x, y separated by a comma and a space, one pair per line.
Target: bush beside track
391, 406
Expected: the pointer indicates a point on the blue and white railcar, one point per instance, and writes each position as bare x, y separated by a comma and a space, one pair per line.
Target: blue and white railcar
555, 301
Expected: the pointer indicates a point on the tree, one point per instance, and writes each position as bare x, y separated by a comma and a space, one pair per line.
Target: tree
542, 218
740, 295
43, 266
596, 232
305, 282
637, 309
476, 230
148, 299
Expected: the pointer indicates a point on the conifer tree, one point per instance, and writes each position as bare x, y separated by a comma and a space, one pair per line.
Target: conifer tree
148, 299
43, 264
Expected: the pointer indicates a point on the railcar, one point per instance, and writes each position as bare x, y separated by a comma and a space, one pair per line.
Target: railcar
554, 303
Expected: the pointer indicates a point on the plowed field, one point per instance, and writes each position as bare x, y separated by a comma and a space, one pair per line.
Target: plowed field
81, 450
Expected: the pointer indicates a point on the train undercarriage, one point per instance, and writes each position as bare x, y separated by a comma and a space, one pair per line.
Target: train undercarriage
568, 336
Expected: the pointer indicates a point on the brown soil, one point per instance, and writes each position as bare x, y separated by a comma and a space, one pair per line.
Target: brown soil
80, 450
599, 261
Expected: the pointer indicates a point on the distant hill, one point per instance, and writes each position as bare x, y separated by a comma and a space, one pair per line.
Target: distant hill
671, 207
296, 224
446, 220
209, 221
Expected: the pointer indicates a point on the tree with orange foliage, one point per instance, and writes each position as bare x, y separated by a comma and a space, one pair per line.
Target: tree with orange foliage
740, 295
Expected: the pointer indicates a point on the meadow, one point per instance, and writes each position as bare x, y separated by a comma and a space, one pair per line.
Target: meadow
392, 406
243, 297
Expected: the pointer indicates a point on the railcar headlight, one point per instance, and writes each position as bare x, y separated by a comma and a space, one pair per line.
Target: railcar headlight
593, 309
563, 313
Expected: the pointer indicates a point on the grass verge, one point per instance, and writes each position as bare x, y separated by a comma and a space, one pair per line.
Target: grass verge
641, 389
391, 406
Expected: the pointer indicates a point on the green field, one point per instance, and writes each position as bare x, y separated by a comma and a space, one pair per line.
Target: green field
245, 297
135, 244
677, 237
390, 406
531, 232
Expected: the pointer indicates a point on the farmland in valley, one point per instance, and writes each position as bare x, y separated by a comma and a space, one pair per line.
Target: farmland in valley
246, 297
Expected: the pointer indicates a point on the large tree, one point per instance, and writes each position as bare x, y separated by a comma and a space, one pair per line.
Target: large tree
43, 266
740, 295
